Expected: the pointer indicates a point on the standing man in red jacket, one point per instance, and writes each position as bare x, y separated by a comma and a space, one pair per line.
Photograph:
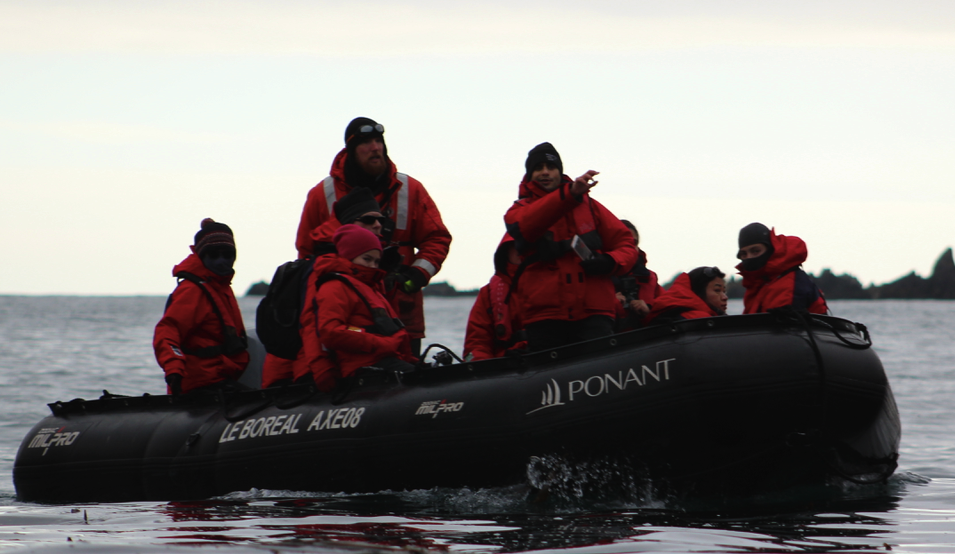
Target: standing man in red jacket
412, 223
565, 297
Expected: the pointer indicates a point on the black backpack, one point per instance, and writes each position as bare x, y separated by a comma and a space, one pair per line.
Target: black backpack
277, 317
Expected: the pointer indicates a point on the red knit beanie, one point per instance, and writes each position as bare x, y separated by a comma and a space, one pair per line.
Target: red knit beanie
352, 241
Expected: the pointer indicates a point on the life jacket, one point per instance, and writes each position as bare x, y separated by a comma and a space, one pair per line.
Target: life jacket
383, 325
233, 341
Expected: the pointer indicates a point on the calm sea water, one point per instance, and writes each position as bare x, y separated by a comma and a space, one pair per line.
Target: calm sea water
59, 348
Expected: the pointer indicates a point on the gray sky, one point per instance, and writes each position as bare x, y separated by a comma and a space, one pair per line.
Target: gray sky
123, 124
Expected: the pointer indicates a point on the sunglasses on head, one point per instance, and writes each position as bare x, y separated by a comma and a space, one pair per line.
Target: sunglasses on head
711, 272
368, 129
365, 129
371, 219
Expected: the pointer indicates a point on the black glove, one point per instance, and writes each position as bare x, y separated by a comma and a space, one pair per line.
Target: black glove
390, 259
412, 280
174, 380
600, 264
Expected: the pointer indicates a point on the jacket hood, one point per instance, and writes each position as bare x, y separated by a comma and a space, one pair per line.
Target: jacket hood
192, 264
502, 264
530, 189
680, 294
333, 263
789, 252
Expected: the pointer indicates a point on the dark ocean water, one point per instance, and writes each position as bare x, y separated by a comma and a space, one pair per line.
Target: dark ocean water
59, 348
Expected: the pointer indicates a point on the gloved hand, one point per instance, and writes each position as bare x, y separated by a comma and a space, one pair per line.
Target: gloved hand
390, 259
390, 346
600, 264
412, 280
174, 380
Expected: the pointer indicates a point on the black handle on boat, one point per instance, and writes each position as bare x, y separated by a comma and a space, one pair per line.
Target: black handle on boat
445, 349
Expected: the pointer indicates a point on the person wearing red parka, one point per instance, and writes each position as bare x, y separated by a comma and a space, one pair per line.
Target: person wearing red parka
413, 222
352, 324
494, 324
772, 273
699, 293
636, 289
566, 295
359, 207
200, 342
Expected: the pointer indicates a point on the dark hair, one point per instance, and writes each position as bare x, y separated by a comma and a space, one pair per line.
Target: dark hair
701, 276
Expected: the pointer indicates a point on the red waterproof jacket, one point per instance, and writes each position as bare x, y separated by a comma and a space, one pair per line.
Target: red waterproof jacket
494, 325
420, 233
553, 285
680, 302
336, 335
190, 324
781, 282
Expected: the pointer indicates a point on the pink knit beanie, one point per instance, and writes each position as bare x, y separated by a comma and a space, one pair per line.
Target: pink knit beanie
352, 241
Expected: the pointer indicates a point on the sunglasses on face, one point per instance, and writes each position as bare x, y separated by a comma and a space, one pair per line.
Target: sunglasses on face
371, 219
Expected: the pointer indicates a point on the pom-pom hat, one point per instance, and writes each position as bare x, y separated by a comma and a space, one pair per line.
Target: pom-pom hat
212, 233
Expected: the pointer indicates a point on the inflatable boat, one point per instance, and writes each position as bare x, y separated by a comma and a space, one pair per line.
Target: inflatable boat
715, 405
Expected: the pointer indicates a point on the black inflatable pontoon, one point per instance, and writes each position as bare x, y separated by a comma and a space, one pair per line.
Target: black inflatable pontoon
721, 404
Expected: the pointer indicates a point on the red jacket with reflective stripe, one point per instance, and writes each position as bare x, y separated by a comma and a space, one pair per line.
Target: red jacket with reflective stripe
559, 289
418, 225
336, 332
680, 298
190, 322
781, 282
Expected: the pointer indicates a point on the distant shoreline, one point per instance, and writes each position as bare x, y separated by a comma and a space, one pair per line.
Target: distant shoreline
940, 285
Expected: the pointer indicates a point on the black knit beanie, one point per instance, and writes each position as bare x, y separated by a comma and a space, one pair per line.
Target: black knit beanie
543, 152
353, 131
754, 233
701, 276
355, 204
211, 234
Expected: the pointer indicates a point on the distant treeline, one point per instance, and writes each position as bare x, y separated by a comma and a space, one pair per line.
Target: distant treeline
939, 286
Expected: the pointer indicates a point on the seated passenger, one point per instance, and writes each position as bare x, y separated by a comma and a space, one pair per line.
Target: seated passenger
359, 207
636, 289
200, 340
494, 326
771, 272
699, 293
351, 325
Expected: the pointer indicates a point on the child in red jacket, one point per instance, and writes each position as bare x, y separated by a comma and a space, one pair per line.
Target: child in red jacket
200, 340
699, 293
353, 325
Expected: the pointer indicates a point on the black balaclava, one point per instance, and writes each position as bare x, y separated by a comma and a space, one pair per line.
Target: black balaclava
756, 233
543, 152
215, 246
354, 175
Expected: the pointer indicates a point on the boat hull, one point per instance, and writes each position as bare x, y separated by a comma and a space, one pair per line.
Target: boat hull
720, 405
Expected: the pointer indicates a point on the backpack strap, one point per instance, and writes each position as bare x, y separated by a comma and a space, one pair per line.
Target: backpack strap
384, 324
231, 344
